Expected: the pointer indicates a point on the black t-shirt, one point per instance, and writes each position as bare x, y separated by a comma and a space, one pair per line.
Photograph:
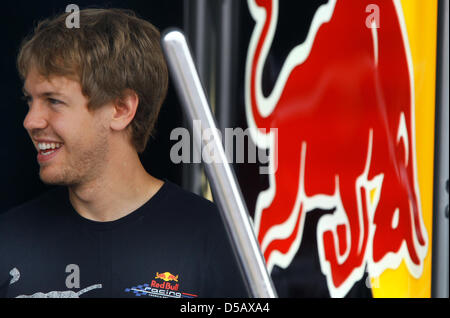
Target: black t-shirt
175, 245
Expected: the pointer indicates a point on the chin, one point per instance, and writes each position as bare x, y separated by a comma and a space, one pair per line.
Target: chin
50, 180
53, 177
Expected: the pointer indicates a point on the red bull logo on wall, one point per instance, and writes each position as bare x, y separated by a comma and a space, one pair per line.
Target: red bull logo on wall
343, 104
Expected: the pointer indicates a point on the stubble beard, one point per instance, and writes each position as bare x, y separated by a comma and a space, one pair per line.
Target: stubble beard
81, 166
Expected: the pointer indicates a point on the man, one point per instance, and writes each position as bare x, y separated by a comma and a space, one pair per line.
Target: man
110, 229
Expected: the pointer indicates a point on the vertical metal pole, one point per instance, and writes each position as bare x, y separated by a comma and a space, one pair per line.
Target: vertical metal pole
228, 39
440, 248
195, 26
220, 173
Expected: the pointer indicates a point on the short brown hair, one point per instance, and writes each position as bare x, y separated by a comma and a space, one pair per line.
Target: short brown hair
113, 50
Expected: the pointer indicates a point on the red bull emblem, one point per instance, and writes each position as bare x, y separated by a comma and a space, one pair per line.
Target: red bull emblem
166, 277
343, 105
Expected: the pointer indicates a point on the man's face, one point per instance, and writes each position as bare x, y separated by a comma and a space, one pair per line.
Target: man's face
58, 117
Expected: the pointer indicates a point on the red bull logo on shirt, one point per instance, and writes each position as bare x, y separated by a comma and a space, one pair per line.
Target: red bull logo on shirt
168, 288
343, 104
166, 277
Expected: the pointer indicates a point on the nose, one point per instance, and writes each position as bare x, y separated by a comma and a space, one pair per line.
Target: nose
36, 118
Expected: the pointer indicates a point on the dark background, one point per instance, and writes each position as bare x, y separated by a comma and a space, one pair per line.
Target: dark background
19, 170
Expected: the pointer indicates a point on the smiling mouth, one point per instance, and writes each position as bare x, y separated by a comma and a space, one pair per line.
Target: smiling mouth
48, 150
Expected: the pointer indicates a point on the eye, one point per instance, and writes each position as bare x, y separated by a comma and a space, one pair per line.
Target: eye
53, 101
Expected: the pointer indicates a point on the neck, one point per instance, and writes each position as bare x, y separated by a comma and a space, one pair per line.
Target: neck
123, 187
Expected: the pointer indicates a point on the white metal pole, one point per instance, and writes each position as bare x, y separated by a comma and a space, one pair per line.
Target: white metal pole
221, 176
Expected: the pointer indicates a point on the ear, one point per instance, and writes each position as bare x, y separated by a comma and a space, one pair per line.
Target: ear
124, 110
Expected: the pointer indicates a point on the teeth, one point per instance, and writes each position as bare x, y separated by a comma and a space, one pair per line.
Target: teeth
45, 146
48, 152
